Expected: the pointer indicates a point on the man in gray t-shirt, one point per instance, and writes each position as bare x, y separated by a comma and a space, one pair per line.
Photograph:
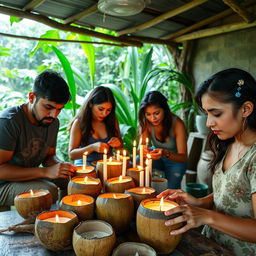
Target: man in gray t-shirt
28, 135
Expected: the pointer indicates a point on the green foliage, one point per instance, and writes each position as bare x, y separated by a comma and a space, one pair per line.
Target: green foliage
4, 51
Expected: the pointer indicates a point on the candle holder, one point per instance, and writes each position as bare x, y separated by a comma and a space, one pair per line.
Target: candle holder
82, 205
132, 248
116, 209
159, 184
93, 237
29, 204
88, 171
84, 185
119, 184
151, 228
54, 229
114, 169
135, 174
139, 194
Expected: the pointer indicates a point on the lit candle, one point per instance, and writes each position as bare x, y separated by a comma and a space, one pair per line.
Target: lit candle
147, 174
159, 205
84, 160
134, 154
119, 179
57, 219
150, 168
141, 153
136, 254
147, 140
141, 178
124, 163
118, 155
32, 193
105, 172
86, 180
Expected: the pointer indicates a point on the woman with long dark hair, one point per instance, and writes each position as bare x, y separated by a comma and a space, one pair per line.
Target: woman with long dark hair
95, 127
167, 134
229, 213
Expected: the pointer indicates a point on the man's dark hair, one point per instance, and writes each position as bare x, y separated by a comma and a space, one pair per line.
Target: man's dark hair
51, 86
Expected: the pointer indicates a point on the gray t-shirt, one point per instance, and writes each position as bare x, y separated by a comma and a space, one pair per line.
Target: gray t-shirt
30, 143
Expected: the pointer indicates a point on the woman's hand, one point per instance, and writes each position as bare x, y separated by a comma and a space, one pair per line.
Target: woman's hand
179, 196
100, 147
114, 142
191, 216
156, 153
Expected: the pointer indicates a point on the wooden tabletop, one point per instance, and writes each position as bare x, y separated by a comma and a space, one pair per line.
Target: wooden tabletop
22, 244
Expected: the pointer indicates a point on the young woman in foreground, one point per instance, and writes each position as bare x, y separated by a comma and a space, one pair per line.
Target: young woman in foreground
229, 100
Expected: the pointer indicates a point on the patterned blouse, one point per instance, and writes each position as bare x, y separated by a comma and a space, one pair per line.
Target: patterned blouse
232, 192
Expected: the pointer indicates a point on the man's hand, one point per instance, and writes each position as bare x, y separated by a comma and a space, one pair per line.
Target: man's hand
60, 170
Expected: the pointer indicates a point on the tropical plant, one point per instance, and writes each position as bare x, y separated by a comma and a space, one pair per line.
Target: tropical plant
136, 82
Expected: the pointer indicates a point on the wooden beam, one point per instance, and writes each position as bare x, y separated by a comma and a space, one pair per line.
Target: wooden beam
65, 27
31, 38
215, 31
32, 5
205, 22
241, 11
162, 17
78, 16
150, 40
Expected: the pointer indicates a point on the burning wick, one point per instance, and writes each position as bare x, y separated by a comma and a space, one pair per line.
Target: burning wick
143, 190
79, 202
85, 179
110, 159
115, 196
57, 218
31, 192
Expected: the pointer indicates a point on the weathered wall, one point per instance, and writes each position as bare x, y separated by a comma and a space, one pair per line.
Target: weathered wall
234, 49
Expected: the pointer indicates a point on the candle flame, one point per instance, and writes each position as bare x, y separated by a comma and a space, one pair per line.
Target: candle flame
86, 153
31, 192
105, 151
140, 168
147, 161
147, 140
148, 156
57, 218
144, 190
85, 179
110, 159
114, 196
79, 202
120, 178
161, 203
124, 152
134, 143
118, 152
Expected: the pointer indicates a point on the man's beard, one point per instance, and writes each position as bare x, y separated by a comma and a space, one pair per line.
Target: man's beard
41, 121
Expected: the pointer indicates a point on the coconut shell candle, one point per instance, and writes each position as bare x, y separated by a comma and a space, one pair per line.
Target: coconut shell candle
119, 184
151, 228
82, 205
114, 168
134, 249
116, 209
135, 174
93, 238
84, 185
54, 229
31, 203
140, 193
88, 171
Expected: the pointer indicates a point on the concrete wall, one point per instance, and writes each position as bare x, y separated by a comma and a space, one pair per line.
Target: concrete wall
234, 49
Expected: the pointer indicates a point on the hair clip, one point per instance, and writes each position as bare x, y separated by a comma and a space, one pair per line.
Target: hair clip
239, 83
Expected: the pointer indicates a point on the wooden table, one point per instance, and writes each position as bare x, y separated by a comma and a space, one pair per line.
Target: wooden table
192, 244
